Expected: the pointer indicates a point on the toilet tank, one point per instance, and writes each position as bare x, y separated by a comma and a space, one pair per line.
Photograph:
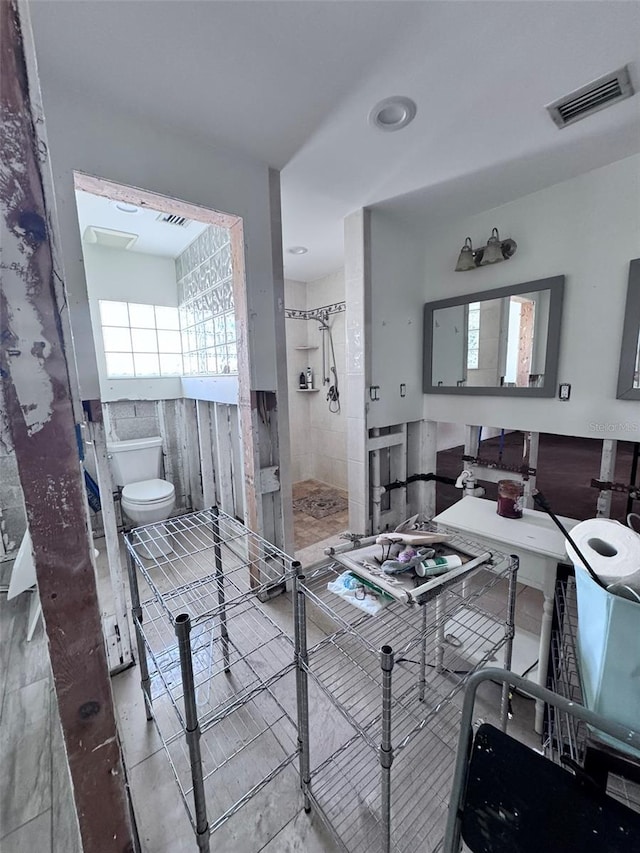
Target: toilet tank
135, 460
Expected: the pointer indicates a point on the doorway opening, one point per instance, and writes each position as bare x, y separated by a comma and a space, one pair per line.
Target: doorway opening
167, 308
316, 368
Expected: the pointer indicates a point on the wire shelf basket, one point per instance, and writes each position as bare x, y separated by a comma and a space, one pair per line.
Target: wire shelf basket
413, 703
181, 559
567, 737
211, 651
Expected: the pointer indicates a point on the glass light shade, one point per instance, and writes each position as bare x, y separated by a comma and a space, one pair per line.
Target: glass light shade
493, 250
466, 260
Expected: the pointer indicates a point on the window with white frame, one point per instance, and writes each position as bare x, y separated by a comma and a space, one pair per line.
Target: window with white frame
140, 340
473, 335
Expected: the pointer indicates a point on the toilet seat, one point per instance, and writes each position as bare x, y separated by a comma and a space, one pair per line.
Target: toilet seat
148, 492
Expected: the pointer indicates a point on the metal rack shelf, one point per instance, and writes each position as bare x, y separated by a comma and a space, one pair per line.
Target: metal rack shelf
568, 737
211, 654
399, 706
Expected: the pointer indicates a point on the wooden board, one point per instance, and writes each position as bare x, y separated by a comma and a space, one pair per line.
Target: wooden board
38, 410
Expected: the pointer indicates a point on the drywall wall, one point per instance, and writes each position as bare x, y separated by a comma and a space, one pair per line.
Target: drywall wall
396, 297
586, 229
99, 140
131, 277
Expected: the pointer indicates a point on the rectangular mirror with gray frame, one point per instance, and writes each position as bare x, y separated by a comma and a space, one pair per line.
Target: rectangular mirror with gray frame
500, 342
629, 373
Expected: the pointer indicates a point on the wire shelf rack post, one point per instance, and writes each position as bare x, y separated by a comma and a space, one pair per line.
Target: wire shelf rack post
217, 557
386, 750
136, 610
510, 631
302, 685
192, 730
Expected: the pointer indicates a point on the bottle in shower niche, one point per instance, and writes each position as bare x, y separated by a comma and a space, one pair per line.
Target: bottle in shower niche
309, 378
302, 382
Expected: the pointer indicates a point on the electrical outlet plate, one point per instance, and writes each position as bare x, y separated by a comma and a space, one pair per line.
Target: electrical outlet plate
564, 392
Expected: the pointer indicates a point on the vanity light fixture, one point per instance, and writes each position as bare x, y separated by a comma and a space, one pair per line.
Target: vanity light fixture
297, 250
495, 251
466, 259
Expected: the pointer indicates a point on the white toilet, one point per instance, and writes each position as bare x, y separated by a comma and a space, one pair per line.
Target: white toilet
136, 465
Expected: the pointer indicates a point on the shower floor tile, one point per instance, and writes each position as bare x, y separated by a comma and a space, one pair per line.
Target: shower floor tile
308, 530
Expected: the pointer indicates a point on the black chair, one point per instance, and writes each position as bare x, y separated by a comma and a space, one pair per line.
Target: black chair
507, 798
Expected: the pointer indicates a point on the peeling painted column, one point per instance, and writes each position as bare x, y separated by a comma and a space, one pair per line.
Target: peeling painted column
37, 419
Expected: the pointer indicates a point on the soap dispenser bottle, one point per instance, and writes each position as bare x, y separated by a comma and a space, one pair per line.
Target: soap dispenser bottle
309, 378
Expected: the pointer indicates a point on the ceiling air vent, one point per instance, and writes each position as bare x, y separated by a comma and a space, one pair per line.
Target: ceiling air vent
595, 96
172, 219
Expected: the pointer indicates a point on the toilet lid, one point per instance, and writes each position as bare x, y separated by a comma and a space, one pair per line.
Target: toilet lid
148, 491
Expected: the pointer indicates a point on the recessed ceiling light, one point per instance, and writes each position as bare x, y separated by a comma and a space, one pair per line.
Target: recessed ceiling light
393, 113
297, 250
123, 207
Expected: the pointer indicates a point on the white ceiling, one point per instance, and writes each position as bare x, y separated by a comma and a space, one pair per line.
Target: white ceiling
154, 237
292, 83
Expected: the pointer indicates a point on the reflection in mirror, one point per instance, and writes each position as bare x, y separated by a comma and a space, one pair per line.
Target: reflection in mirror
506, 339
629, 373
493, 342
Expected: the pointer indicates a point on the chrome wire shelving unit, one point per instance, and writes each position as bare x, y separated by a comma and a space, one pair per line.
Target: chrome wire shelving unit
211, 654
392, 686
569, 741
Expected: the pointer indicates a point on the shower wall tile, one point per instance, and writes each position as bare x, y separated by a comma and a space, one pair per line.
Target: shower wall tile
330, 440
356, 481
356, 439
339, 474
358, 521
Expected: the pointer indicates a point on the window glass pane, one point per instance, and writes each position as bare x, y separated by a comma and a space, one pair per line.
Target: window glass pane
230, 322
474, 319
167, 318
169, 341
142, 316
188, 339
212, 362
209, 334
113, 313
146, 364
472, 359
218, 325
144, 340
119, 364
223, 360
170, 364
116, 340
474, 339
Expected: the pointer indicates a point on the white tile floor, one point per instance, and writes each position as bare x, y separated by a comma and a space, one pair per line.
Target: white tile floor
35, 794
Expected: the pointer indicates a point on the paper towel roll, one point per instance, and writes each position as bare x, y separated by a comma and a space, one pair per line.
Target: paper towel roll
612, 550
